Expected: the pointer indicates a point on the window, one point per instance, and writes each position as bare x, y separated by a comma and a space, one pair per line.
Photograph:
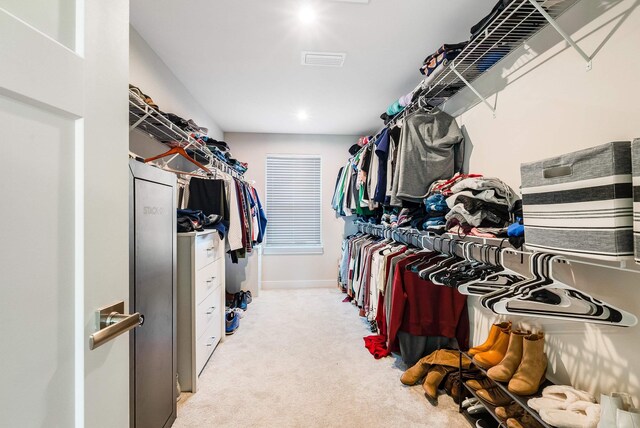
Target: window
294, 202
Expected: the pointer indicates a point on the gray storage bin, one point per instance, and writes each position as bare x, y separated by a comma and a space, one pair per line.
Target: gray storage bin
635, 160
581, 203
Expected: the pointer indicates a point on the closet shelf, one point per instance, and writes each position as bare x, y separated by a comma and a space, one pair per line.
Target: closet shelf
518, 22
522, 401
152, 122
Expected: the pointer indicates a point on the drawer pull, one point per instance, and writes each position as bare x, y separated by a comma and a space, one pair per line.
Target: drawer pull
209, 281
211, 309
213, 339
210, 249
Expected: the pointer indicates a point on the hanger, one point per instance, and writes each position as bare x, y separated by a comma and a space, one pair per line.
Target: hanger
493, 282
179, 151
575, 305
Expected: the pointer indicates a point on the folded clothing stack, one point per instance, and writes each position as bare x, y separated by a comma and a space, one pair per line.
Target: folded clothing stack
480, 206
437, 209
196, 220
444, 54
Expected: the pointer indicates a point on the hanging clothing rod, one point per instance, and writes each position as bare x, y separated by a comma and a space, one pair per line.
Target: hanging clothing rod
522, 291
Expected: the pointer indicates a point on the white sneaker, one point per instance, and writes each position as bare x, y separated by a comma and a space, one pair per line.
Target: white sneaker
468, 402
476, 409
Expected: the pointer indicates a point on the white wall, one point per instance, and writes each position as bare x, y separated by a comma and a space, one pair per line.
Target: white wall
293, 271
550, 106
154, 78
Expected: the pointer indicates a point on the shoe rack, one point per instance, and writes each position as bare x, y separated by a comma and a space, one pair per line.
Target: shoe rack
520, 400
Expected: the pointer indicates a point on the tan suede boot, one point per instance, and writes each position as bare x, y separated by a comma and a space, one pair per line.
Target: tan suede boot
509, 364
434, 378
478, 384
497, 352
419, 369
494, 396
525, 421
531, 372
493, 335
511, 411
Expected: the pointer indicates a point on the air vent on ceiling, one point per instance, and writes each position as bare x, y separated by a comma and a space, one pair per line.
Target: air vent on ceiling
323, 59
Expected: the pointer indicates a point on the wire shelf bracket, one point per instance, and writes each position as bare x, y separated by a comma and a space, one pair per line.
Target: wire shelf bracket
562, 33
474, 90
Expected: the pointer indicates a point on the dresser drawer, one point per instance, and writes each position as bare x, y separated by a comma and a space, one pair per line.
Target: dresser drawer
206, 344
207, 280
206, 249
208, 311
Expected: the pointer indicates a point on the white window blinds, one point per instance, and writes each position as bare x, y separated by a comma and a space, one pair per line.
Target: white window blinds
294, 204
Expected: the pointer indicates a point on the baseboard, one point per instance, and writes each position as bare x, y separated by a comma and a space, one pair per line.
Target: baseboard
318, 283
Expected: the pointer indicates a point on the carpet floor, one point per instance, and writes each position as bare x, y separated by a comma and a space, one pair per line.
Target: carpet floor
298, 360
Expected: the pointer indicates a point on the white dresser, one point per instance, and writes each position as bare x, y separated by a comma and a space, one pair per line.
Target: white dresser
200, 302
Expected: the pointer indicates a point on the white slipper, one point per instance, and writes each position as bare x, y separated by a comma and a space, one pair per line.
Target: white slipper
559, 397
567, 393
540, 403
580, 414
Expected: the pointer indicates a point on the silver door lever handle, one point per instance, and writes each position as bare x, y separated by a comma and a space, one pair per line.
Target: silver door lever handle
112, 323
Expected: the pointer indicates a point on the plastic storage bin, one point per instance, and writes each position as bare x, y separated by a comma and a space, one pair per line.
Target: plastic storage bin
581, 203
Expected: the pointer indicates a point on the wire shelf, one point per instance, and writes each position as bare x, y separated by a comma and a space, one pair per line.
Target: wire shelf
155, 124
518, 22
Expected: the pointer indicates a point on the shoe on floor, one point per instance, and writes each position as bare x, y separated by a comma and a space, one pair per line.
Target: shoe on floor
232, 322
239, 312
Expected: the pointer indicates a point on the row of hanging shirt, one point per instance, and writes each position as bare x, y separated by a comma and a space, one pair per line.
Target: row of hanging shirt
389, 171
389, 282
236, 201
470, 268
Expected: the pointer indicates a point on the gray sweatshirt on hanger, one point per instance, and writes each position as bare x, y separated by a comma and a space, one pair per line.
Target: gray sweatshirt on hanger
430, 149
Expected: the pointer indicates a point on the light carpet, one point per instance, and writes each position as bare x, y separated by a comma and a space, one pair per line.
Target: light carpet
298, 360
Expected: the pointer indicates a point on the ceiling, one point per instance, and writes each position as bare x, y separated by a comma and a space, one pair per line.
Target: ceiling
241, 59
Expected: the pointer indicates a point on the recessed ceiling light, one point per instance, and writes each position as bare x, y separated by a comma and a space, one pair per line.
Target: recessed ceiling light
307, 14
303, 115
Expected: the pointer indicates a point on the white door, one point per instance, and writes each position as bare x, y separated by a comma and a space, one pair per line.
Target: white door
63, 211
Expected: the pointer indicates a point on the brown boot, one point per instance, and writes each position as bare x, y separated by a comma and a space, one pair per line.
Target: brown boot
434, 378
531, 372
511, 411
525, 421
493, 335
494, 396
494, 355
478, 384
509, 364
419, 370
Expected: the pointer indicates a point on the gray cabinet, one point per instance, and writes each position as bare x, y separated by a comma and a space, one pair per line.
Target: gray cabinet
201, 288
152, 288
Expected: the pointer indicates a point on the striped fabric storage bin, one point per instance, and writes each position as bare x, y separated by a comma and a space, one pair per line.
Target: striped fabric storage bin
635, 160
581, 203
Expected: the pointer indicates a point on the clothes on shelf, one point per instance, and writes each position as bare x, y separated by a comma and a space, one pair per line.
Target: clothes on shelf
410, 313
220, 149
